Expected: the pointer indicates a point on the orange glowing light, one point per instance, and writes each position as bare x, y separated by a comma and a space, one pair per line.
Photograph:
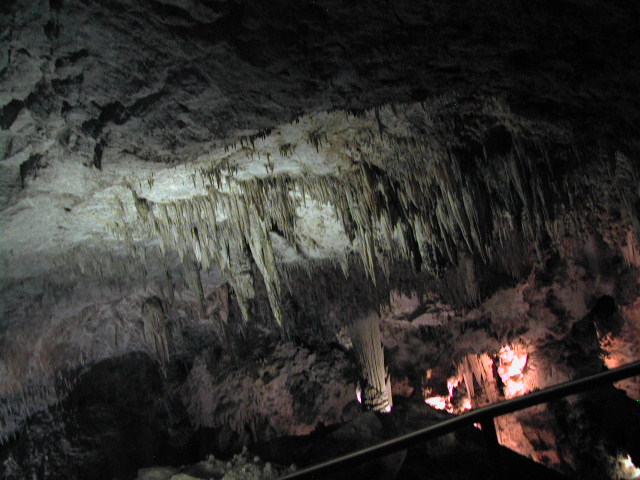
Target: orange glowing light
452, 384
513, 361
441, 402
437, 402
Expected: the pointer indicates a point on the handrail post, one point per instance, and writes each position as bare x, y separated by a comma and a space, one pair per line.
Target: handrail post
493, 447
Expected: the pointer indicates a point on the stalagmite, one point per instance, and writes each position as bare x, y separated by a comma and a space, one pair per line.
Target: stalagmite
375, 381
155, 331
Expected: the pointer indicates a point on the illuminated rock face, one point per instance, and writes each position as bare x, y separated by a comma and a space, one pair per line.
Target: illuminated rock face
283, 166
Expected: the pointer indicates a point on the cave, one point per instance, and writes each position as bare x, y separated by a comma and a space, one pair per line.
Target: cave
240, 238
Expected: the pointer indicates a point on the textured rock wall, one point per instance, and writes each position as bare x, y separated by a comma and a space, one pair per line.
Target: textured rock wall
565, 321
314, 155
98, 98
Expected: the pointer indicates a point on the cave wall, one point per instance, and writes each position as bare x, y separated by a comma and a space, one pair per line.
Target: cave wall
260, 175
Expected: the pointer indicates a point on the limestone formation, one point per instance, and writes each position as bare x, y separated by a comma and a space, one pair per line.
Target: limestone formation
311, 156
375, 386
430, 219
156, 333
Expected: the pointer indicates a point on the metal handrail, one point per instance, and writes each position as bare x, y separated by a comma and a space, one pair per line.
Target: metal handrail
478, 415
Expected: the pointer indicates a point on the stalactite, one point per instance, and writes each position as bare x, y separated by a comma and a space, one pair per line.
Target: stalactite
626, 180
156, 333
241, 278
194, 282
259, 242
375, 384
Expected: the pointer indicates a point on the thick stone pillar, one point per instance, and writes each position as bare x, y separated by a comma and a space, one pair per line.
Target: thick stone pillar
375, 382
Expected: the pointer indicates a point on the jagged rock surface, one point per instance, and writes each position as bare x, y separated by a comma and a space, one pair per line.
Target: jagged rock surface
282, 167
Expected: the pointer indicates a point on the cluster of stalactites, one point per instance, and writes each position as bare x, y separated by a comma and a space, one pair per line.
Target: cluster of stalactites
191, 228
402, 198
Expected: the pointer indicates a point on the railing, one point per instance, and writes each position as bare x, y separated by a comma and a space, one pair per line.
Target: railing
483, 415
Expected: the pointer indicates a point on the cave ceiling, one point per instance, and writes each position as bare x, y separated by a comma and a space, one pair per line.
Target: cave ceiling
201, 202
249, 141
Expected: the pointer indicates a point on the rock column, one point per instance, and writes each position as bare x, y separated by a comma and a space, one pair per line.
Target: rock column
375, 383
